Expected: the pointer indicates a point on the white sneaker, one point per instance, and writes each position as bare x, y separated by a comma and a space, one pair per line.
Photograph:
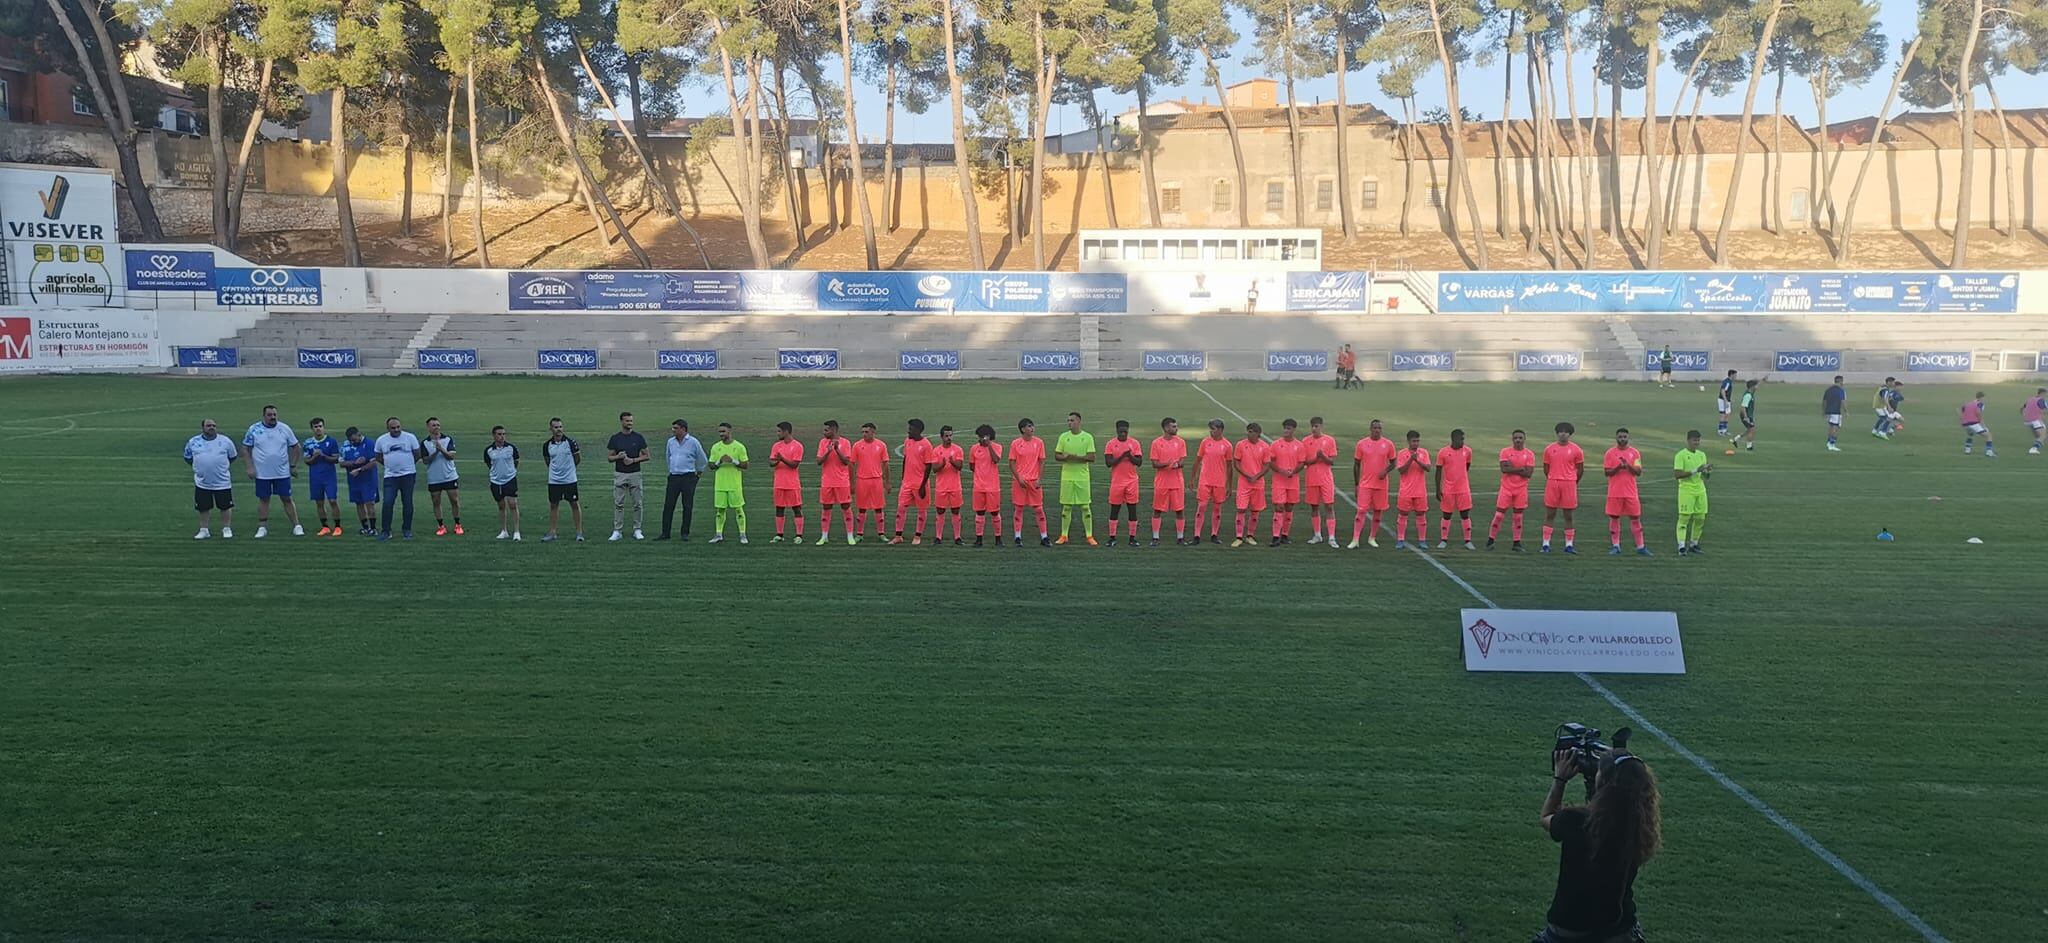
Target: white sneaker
1443, 545
1353, 545
205, 533
1373, 542
262, 532
637, 535
1833, 447
227, 533
504, 534
1312, 541
298, 530
515, 536
743, 540
1333, 543
1468, 545
616, 537
716, 539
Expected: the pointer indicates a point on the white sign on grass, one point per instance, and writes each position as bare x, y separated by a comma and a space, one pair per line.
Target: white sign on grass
1601, 642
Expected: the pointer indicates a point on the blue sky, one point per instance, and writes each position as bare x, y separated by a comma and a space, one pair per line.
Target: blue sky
1481, 86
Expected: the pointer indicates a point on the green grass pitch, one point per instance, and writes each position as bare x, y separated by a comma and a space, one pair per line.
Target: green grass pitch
462, 739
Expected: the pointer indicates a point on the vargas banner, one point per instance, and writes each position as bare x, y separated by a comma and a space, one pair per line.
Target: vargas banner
84, 339
1480, 292
1600, 642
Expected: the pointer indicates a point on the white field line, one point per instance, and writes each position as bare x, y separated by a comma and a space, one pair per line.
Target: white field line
1798, 834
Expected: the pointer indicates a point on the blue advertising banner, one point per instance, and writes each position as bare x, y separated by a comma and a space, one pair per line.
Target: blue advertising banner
622, 291
1725, 292
1174, 361
686, 359
332, 358
1404, 360
209, 357
267, 287
1000, 293
578, 359
446, 358
1682, 361
1995, 292
703, 291
2041, 362
1297, 361
1090, 293
779, 292
1049, 361
915, 360
1327, 291
1940, 361
1477, 292
1807, 361
885, 291
806, 359
170, 270
1547, 361
545, 291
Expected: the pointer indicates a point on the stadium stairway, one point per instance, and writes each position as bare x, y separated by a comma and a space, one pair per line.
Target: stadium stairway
1485, 346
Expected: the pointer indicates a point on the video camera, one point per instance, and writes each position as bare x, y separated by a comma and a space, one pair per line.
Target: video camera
1587, 749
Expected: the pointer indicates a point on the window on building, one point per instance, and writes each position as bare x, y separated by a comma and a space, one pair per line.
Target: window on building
80, 106
1148, 249
1436, 197
1326, 195
1169, 198
1797, 211
1370, 199
1091, 249
1222, 202
1276, 196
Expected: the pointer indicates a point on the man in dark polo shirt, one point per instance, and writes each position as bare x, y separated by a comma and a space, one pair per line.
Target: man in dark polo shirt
626, 450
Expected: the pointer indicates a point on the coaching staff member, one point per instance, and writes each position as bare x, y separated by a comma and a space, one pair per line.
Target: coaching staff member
686, 462
1602, 844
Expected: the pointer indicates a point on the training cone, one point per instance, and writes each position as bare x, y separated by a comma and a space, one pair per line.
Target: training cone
1974, 540
1729, 452
1934, 498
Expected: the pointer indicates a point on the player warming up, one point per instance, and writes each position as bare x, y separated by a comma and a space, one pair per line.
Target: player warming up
1168, 454
1319, 483
1454, 489
1372, 460
1251, 458
1564, 463
1691, 468
786, 459
1971, 415
1123, 455
1832, 401
2035, 413
1212, 480
1624, 468
1724, 402
1413, 464
1517, 466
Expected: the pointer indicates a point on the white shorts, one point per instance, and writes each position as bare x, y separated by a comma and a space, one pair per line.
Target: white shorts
2036, 425
1834, 419
1722, 405
1974, 428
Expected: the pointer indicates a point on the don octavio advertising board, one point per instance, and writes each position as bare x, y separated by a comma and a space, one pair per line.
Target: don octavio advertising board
1601, 642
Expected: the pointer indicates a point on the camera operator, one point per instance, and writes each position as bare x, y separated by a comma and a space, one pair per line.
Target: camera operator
1603, 843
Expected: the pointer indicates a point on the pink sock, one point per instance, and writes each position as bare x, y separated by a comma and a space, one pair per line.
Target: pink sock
1518, 526
799, 525
1180, 527
1493, 532
1358, 525
1571, 536
1468, 528
1614, 531
1040, 511
1546, 533
778, 525
1635, 526
1401, 527
847, 513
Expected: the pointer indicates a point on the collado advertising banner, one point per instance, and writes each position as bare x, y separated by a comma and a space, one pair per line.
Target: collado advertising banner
62, 236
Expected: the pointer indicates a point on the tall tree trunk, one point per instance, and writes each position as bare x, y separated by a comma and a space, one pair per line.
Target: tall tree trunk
891, 182
1678, 141
855, 165
1582, 153
1461, 174
1047, 70
661, 194
1846, 223
963, 154
790, 182
1344, 194
2012, 190
1500, 130
249, 132
476, 166
1653, 223
1102, 148
216, 137
1966, 112
1407, 160
583, 174
1820, 191
812, 81
113, 110
344, 209
1148, 177
448, 177
1541, 170
1244, 206
750, 198
1774, 163
405, 186
1756, 78
1617, 219
1293, 123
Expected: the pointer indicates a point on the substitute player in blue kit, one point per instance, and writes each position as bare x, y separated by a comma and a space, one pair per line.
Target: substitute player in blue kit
1725, 402
1832, 402
323, 456
359, 463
